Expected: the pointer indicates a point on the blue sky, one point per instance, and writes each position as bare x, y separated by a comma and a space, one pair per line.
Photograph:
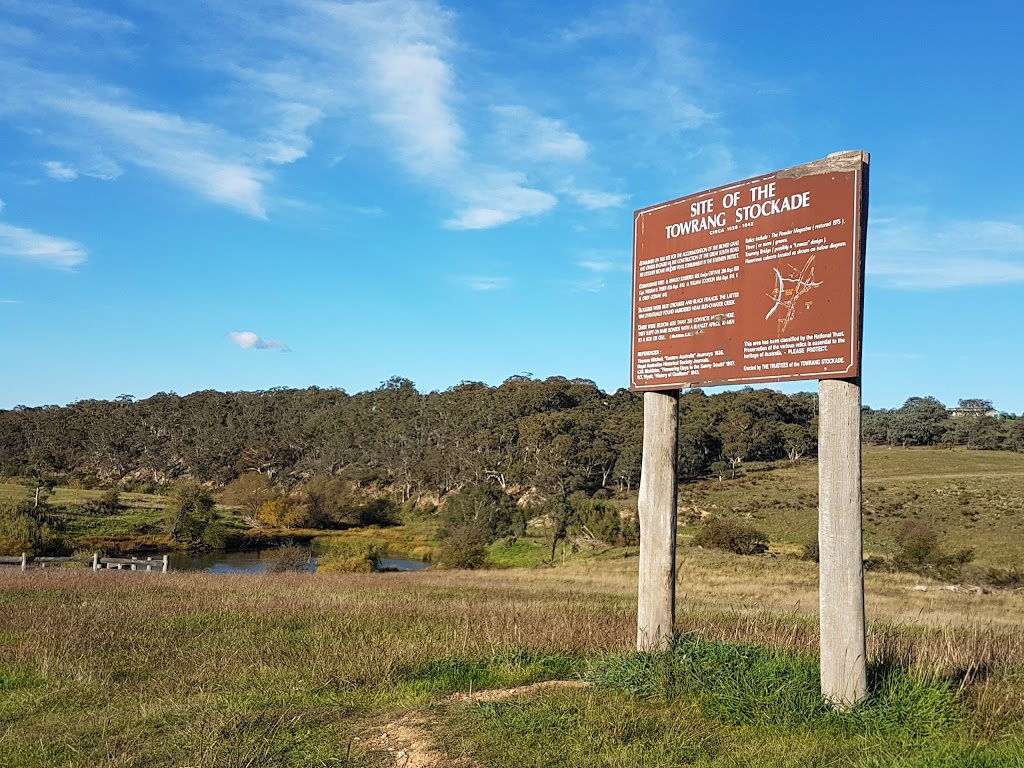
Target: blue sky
245, 194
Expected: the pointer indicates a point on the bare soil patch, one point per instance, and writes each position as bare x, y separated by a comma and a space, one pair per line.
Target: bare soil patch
408, 743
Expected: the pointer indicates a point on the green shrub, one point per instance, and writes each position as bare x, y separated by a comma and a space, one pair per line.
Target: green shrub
600, 520
919, 553
731, 536
382, 512
108, 504
463, 547
28, 528
917, 542
349, 558
471, 519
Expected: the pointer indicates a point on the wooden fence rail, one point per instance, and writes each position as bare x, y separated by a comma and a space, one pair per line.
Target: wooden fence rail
97, 563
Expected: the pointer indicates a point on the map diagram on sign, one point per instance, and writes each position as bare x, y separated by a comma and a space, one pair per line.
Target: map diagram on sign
789, 291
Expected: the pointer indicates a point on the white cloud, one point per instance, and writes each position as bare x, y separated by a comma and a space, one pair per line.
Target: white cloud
60, 171
498, 198
27, 245
194, 153
908, 252
102, 168
397, 65
383, 74
415, 84
664, 80
526, 134
595, 200
604, 260
250, 340
485, 283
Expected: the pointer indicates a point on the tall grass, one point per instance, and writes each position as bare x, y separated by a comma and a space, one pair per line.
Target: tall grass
286, 670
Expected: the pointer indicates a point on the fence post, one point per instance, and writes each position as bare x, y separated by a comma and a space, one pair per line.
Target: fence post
166, 563
24, 561
95, 561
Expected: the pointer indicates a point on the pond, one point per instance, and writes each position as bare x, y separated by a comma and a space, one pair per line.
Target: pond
255, 561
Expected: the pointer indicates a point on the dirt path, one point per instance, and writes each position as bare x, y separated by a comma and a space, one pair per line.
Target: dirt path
407, 740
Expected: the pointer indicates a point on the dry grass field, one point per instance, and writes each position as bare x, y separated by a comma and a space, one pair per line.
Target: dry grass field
970, 498
195, 669
121, 669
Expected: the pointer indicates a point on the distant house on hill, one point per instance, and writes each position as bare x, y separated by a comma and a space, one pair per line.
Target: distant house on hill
972, 407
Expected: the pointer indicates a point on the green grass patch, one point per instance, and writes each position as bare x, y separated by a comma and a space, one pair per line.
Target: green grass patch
18, 678
720, 704
510, 668
523, 552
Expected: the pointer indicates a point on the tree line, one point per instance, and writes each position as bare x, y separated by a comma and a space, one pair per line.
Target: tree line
560, 436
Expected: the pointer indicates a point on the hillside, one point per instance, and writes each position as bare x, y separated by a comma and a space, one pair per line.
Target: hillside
971, 499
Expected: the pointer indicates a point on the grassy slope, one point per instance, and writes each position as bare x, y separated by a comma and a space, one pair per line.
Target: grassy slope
972, 498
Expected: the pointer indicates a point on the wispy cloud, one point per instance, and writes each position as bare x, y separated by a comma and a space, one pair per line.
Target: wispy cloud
498, 198
384, 74
46, 250
665, 80
595, 200
196, 154
599, 265
60, 171
250, 340
102, 168
534, 137
604, 260
485, 283
69, 15
911, 253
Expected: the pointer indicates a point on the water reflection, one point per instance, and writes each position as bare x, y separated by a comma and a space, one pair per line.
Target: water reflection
254, 562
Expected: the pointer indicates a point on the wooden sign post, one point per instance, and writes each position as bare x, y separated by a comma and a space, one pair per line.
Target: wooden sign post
656, 603
758, 281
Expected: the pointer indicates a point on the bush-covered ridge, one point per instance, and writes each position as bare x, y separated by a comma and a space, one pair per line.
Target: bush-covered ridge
558, 435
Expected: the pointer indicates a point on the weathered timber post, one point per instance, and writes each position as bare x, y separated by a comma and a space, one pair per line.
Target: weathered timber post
95, 561
840, 543
840, 527
656, 603
167, 561
24, 561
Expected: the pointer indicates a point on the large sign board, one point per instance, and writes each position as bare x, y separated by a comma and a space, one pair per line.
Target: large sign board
756, 281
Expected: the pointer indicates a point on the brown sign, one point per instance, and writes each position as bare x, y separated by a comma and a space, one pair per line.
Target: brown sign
757, 281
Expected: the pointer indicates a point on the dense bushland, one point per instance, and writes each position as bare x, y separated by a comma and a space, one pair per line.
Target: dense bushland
558, 435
